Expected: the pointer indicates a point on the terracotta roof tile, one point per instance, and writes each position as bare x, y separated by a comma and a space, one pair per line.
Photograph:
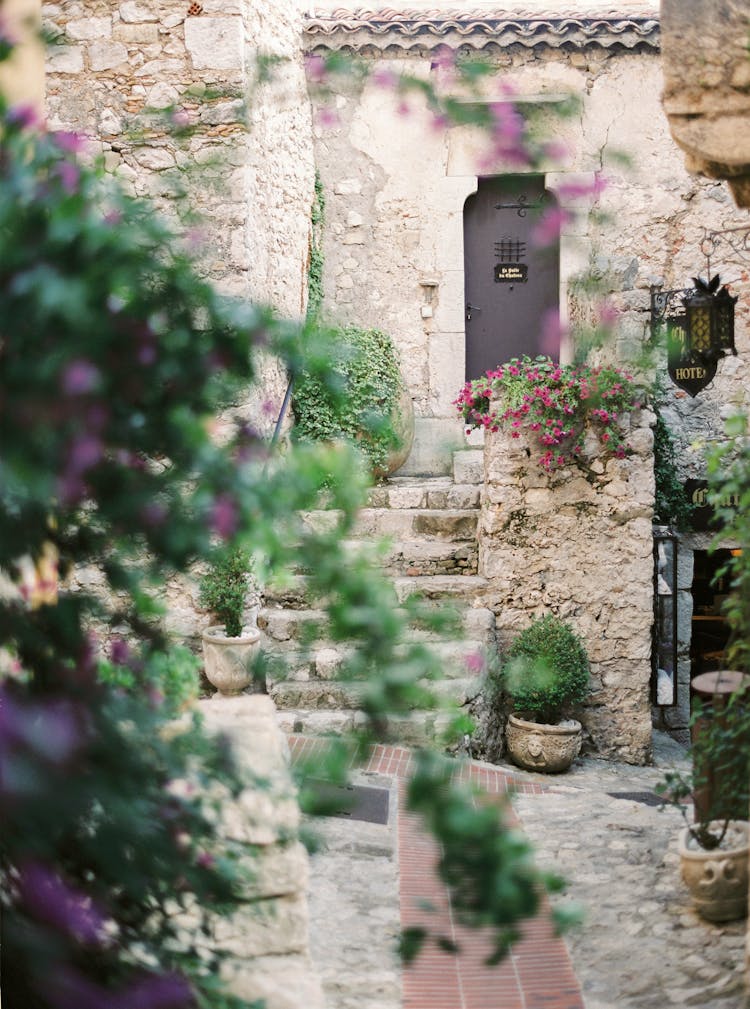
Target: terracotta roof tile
632, 24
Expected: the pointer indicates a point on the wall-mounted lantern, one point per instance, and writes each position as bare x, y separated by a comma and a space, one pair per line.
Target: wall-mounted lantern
699, 332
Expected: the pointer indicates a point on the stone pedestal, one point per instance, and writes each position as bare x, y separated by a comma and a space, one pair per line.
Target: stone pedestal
268, 938
707, 88
578, 543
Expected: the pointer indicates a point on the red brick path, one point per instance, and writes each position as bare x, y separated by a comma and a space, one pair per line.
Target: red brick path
537, 974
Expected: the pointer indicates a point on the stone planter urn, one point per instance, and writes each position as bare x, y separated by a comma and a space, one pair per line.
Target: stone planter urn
717, 879
402, 421
550, 749
228, 661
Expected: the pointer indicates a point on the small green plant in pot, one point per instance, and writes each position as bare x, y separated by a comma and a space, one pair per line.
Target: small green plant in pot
713, 845
546, 678
229, 648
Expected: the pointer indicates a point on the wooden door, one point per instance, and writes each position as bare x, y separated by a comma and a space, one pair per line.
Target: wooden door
511, 284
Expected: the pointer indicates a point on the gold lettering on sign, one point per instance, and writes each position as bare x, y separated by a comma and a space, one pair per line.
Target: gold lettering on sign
686, 373
699, 497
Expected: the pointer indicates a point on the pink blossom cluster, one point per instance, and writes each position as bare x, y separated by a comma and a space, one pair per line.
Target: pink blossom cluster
553, 403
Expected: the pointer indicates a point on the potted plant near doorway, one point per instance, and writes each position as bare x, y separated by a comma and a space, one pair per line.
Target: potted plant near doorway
714, 845
229, 647
546, 676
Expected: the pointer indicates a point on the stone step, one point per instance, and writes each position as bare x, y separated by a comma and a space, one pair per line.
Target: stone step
423, 492
416, 558
342, 695
292, 593
283, 629
457, 659
455, 588
418, 728
450, 524
468, 466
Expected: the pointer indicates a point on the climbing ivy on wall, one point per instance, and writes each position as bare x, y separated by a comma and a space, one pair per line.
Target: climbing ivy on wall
315, 265
671, 506
358, 401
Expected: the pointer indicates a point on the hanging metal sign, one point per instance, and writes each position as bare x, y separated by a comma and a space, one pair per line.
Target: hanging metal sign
689, 369
703, 515
699, 333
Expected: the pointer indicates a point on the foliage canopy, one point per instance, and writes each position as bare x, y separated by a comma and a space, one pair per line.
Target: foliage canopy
114, 356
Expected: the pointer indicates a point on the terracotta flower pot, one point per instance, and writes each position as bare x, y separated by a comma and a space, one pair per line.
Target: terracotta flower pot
228, 661
402, 419
547, 748
717, 879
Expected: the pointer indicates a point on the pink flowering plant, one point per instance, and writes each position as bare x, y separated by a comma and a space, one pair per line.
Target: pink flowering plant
553, 404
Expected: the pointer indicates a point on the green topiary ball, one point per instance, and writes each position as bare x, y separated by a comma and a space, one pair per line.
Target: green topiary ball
546, 672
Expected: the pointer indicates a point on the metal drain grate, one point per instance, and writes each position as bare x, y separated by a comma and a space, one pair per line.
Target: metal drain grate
354, 802
647, 798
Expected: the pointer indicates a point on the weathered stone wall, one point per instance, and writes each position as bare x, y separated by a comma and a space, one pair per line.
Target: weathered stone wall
128, 73
395, 188
172, 101
579, 544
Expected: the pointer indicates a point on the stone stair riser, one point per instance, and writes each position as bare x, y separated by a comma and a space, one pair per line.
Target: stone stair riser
456, 658
431, 558
404, 524
447, 496
422, 532
282, 627
342, 695
293, 594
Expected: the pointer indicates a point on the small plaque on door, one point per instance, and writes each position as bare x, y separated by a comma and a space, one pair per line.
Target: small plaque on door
511, 273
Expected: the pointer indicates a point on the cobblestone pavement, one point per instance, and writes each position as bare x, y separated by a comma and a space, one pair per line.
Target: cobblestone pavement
641, 946
354, 908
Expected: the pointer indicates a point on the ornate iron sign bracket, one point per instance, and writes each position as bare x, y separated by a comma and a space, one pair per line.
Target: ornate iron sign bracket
699, 331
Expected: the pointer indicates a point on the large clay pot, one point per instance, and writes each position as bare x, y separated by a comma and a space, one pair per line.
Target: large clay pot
228, 661
717, 879
402, 421
547, 748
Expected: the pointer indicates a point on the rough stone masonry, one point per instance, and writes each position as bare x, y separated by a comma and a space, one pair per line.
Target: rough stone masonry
578, 543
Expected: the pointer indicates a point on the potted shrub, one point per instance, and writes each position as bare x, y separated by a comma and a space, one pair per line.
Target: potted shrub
229, 648
546, 676
713, 847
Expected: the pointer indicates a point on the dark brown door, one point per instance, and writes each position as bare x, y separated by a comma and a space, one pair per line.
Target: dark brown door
511, 284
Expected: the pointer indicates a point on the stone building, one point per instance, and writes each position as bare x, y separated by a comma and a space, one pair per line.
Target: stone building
408, 208
403, 220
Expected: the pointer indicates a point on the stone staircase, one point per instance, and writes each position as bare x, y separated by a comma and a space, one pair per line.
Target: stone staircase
430, 526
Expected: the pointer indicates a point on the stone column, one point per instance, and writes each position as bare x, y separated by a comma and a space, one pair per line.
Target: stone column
578, 543
707, 88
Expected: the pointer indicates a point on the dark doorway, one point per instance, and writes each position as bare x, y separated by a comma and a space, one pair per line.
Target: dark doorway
511, 285
709, 630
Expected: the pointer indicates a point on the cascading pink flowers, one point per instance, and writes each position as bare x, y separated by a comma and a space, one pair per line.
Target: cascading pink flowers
552, 403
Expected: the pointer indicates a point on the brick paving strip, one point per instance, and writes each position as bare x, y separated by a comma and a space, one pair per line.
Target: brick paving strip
536, 974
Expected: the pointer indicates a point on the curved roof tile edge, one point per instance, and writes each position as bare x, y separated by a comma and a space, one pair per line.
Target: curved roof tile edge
431, 28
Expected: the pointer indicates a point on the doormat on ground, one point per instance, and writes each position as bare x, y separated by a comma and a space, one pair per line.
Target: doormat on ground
352, 802
647, 798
